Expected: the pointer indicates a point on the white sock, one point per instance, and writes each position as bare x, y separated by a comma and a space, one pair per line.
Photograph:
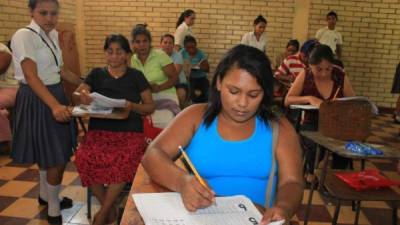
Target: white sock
43, 184
54, 202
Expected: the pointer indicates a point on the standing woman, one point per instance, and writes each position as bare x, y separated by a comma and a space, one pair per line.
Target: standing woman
185, 21
41, 128
257, 38
159, 70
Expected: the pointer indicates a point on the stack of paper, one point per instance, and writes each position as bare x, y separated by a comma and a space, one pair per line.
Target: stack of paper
167, 208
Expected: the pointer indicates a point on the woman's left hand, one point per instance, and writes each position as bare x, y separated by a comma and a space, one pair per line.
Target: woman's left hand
155, 88
274, 214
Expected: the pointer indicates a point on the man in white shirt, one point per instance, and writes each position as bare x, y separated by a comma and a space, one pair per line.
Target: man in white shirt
329, 36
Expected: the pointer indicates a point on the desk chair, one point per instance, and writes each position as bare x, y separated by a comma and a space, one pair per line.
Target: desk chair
340, 191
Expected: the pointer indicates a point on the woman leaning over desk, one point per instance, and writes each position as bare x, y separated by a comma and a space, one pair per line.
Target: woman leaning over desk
229, 141
112, 149
322, 81
42, 133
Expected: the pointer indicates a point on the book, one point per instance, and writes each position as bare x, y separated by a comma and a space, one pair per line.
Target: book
104, 101
91, 109
168, 208
304, 107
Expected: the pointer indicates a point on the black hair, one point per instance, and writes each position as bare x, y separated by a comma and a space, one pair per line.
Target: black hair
184, 14
189, 39
117, 38
295, 43
257, 64
319, 53
140, 29
167, 35
33, 3
260, 19
332, 13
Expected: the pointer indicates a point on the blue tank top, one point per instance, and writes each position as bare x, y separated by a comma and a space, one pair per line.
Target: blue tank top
234, 167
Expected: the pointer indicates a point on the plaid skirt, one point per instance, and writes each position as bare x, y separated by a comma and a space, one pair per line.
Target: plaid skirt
37, 136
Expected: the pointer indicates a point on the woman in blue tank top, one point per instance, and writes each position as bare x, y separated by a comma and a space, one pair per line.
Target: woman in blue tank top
229, 140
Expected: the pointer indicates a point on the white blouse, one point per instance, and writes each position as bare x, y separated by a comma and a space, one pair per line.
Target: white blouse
27, 44
251, 40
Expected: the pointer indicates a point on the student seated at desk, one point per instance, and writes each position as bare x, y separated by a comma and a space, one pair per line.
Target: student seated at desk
321, 81
112, 149
229, 141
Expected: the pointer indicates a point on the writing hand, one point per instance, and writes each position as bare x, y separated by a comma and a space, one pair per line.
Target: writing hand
275, 214
194, 195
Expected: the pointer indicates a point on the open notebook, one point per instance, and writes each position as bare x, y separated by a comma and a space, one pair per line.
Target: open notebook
167, 208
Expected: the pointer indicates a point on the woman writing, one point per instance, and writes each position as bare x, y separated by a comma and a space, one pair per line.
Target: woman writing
229, 141
322, 81
112, 149
159, 70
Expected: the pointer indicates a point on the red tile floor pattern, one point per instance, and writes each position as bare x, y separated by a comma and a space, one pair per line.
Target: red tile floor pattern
19, 191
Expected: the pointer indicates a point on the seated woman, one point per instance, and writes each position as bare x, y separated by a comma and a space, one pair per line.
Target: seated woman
229, 140
159, 70
182, 88
199, 67
292, 48
291, 67
112, 149
322, 81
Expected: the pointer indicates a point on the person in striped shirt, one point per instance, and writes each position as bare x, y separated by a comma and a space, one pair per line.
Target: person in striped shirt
291, 66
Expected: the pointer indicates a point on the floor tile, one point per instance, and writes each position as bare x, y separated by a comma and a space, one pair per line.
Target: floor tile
28, 175
4, 220
69, 177
347, 215
6, 201
16, 188
77, 193
23, 208
378, 216
4, 161
38, 222
9, 173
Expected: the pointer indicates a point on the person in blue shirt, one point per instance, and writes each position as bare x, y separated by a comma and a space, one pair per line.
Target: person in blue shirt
199, 68
229, 140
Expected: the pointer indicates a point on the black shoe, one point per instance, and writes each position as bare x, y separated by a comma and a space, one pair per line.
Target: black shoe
57, 220
65, 203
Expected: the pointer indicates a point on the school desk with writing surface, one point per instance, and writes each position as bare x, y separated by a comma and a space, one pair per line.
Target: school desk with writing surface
338, 189
116, 114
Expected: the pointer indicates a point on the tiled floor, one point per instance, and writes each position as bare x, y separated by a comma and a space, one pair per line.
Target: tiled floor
19, 191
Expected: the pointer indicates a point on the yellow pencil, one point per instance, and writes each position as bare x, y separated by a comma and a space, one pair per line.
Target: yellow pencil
196, 174
337, 92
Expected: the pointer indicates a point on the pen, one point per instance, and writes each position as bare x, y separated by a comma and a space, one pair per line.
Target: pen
337, 92
196, 174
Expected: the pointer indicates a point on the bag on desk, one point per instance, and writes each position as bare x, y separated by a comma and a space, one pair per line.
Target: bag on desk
149, 130
345, 120
366, 180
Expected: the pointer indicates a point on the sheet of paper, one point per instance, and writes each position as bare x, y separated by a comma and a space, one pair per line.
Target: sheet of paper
374, 108
305, 107
101, 100
82, 109
167, 208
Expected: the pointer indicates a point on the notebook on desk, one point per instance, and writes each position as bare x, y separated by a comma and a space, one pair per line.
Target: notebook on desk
167, 208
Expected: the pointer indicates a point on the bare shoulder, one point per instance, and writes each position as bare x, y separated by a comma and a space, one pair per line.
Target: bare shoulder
286, 129
192, 115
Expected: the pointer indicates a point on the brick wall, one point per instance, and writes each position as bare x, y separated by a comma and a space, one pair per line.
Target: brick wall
219, 25
371, 42
14, 14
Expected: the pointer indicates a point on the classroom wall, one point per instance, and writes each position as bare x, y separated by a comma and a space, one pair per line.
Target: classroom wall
220, 24
371, 29
371, 42
14, 14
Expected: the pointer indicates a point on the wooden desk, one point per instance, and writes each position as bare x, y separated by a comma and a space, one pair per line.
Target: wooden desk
334, 186
141, 184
